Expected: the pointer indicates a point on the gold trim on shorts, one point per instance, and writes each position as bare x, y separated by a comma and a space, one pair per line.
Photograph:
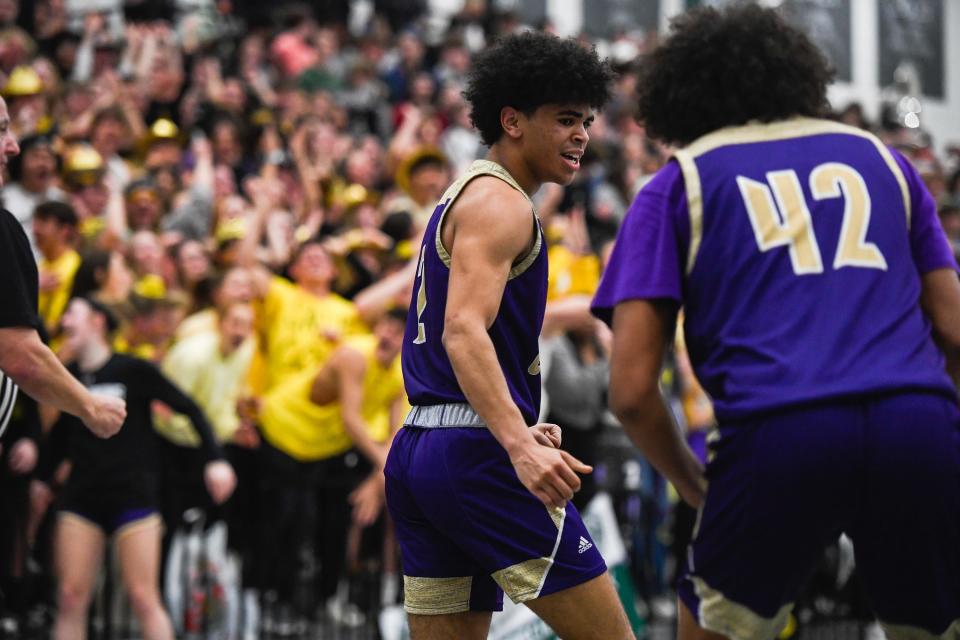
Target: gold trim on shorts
436, 596
523, 581
906, 632
724, 616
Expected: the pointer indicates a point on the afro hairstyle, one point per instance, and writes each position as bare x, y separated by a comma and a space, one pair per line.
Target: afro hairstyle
721, 68
529, 70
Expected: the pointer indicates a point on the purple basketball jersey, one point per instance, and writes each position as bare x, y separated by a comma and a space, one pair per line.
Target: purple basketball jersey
427, 372
796, 249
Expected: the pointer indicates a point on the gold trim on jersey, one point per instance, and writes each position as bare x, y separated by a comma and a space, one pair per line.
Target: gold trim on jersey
436, 596
691, 180
733, 620
527, 261
906, 632
765, 132
487, 168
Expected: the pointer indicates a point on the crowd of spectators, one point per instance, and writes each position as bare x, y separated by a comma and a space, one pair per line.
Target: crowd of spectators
243, 185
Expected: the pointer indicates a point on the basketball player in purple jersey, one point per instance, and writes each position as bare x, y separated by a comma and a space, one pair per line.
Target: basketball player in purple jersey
479, 492
815, 279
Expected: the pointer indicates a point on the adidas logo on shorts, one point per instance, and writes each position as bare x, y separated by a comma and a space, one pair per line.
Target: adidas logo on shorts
585, 544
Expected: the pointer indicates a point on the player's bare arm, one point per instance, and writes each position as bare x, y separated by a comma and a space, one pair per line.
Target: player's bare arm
35, 368
489, 227
940, 298
641, 331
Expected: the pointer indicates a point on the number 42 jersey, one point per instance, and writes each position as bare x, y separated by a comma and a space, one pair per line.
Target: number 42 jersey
796, 249
427, 374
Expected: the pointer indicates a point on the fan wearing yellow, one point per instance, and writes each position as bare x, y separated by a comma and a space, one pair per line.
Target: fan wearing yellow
55, 231
325, 434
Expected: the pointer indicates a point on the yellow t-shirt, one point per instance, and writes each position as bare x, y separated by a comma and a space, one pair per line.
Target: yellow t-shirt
207, 320
213, 381
571, 274
309, 432
299, 331
51, 304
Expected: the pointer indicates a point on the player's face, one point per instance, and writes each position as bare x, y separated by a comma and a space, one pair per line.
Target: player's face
557, 136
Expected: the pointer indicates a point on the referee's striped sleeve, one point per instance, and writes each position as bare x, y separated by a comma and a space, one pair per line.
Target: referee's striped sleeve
8, 397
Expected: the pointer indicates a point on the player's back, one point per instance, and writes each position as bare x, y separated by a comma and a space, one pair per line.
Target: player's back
803, 268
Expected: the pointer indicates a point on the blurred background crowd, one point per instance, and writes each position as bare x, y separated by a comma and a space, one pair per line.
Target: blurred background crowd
244, 185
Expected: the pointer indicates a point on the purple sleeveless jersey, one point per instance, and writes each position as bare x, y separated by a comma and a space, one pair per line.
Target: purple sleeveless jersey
796, 249
427, 373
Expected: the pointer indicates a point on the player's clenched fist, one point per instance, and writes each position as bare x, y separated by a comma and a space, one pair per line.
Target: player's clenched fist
549, 474
549, 435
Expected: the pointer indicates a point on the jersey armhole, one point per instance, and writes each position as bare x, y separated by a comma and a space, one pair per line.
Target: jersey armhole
520, 265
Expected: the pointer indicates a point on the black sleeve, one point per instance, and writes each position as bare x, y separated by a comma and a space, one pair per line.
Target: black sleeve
19, 282
160, 388
55, 448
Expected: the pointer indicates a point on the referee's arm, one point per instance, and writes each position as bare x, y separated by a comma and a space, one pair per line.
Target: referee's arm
36, 370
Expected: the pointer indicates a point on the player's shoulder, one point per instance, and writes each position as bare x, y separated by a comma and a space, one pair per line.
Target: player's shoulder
488, 189
668, 177
491, 200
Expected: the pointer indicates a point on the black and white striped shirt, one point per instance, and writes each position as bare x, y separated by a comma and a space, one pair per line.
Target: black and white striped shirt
8, 397
18, 296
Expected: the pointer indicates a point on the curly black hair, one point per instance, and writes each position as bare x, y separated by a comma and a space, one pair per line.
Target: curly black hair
529, 70
721, 68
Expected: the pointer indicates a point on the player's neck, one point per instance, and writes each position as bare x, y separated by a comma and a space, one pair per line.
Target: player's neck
510, 159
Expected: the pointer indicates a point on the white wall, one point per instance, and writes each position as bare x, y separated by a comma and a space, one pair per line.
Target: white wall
940, 117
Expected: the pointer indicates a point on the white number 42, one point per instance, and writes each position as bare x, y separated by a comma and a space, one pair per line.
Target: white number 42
780, 217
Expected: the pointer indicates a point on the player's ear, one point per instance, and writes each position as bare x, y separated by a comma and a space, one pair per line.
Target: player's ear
510, 120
